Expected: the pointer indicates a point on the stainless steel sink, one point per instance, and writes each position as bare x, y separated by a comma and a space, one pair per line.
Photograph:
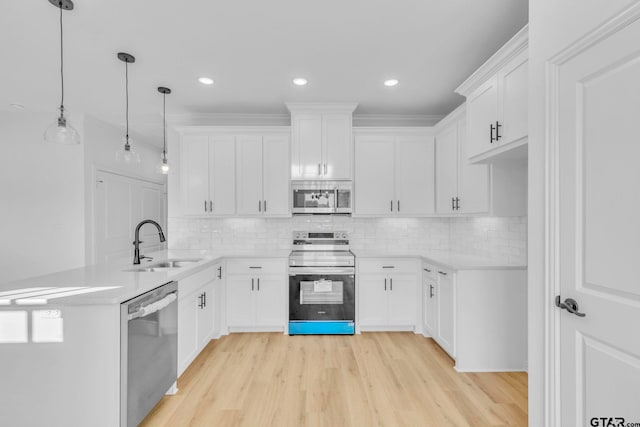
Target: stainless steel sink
169, 264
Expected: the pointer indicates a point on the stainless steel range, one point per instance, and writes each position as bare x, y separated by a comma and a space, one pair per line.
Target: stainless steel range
321, 284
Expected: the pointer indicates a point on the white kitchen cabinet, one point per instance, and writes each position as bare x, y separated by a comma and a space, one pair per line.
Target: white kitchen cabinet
445, 324
496, 93
256, 294
461, 187
196, 314
465, 188
263, 175
387, 294
321, 141
430, 295
208, 174
394, 172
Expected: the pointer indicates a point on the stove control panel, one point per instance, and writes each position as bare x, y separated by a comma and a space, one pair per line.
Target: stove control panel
320, 235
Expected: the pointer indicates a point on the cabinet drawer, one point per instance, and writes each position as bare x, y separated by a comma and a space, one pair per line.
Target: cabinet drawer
256, 266
390, 266
190, 284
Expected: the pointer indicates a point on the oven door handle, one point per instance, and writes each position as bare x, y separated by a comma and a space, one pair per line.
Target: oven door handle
321, 271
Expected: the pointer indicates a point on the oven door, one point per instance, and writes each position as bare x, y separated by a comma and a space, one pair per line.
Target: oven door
326, 294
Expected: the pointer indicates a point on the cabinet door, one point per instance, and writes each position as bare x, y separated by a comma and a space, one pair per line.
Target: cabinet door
373, 299
414, 175
269, 300
403, 299
374, 176
473, 180
445, 335
513, 85
307, 146
240, 301
222, 175
187, 330
336, 146
276, 175
195, 174
249, 175
447, 169
482, 113
430, 308
205, 314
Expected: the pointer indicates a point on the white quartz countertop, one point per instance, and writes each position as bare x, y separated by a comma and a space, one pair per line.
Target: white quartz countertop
449, 260
111, 283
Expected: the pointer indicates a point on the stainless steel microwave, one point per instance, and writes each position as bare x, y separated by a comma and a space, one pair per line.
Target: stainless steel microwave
322, 197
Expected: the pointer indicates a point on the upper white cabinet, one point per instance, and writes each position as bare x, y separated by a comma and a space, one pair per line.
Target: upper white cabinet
263, 175
461, 187
394, 172
208, 174
321, 141
497, 103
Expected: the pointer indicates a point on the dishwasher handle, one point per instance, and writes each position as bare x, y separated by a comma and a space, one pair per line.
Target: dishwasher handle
154, 306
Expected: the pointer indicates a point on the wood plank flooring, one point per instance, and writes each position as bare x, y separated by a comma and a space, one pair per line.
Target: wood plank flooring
372, 379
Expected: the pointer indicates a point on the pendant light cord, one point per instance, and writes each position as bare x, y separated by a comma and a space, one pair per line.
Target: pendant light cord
164, 125
61, 62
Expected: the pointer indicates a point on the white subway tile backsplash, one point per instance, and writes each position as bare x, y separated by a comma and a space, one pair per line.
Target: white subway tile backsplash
503, 238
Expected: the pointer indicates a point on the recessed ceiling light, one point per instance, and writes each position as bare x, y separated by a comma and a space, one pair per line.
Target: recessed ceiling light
205, 80
390, 82
17, 106
299, 81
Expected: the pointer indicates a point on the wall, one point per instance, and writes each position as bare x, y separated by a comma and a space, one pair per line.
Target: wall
41, 198
503, 238
553, 25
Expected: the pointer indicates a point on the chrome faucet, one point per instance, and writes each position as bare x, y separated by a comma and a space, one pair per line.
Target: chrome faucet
136, 242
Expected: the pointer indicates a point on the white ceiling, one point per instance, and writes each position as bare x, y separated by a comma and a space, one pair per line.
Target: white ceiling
252, 49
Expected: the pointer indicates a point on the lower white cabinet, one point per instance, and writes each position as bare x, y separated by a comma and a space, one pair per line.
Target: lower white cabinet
387, 293
478, 317
256, 294
196, 314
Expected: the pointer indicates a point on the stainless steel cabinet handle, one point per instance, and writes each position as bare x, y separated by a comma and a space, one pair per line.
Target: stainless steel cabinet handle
457, 203
205, 205
210, 206
258, 283
251, 284
391, 284
259, 205
430, 291
265, 205
453, 203
391, 205
498, 125
319, 169
491, 138
204, 299
220, 272
385, 283
252, 266
442, 272
398, 205
388, 266
201, 303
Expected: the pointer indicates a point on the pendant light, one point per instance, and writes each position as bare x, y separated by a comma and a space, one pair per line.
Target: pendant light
163, 165
127, 154
61, 131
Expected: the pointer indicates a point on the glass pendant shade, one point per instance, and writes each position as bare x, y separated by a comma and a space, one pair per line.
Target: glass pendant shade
163, 165
126, 154
61, 132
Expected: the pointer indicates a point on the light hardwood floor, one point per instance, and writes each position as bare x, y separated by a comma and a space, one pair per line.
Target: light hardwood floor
372, 379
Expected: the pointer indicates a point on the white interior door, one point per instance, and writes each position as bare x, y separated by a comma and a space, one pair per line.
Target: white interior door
598, 93
415, 175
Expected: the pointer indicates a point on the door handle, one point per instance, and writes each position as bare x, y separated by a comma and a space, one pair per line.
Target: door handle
385, 283
498, 126
491, 129
570, 305
430, 291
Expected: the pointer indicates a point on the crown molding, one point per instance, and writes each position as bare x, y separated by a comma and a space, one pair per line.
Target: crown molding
329, 107
231, 130
452, 117
396, 120
228, 119
394, 130
517, 44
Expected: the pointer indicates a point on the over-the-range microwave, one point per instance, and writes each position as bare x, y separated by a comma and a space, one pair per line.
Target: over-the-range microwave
322, 197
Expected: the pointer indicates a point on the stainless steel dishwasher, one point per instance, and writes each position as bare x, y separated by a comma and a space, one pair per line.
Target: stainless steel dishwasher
149, 351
